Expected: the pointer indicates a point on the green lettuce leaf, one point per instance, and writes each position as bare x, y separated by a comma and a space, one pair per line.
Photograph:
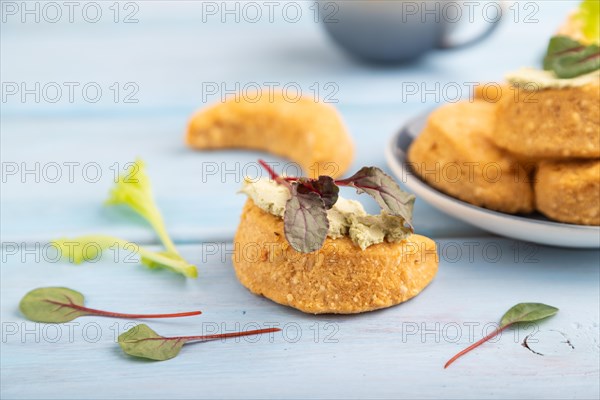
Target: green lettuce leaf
133, 189
589, 16
89, 248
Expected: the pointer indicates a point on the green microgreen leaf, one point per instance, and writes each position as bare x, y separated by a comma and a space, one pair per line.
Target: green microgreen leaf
141, 341
527, 312
88, 248
522, 312
568, 58
52, 305
59, 304
305, 219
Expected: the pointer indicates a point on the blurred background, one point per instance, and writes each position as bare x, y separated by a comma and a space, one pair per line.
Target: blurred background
89, 86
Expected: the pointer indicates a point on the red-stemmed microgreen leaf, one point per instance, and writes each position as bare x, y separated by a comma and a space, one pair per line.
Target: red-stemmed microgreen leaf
305, 219
59, 304
327, 189
141, 341
384, 190
522, 312
568, 58
273, 175
305, 216
527, 312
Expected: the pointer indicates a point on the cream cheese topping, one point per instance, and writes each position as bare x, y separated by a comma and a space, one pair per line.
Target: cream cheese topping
536, 79
346, 217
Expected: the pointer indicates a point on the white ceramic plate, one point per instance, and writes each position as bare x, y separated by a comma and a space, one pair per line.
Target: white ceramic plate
532, 228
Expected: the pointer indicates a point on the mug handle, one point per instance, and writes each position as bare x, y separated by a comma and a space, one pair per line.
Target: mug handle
448, 43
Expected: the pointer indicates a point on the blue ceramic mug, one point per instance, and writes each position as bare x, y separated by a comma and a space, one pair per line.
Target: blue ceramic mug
402, 30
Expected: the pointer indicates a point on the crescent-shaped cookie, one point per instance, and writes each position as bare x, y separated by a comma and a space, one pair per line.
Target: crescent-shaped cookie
304, 131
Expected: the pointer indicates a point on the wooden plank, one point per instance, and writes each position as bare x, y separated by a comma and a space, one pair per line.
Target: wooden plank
48, 194
394, 353
374, 102
170, 56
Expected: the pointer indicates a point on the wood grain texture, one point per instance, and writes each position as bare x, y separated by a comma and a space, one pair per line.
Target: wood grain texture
394, 353
199, 204
169, 55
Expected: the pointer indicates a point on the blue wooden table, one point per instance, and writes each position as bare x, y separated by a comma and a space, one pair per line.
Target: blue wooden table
81, 99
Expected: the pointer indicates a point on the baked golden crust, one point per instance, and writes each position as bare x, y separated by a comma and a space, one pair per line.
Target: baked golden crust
454, 154
307, 132
339, 278
491, 92
550, 124
569, 191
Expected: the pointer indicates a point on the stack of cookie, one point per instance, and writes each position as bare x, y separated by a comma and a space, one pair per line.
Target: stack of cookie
529, 150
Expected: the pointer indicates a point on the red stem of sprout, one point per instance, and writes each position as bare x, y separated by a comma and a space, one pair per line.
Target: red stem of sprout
475, 345
229, 335
101, 313
285, 180
214, 337
266, 166
273, 174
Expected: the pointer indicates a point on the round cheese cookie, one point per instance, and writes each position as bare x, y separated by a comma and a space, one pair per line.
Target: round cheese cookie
340, 278
454, 154
569, 191
307, 132
550, 123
